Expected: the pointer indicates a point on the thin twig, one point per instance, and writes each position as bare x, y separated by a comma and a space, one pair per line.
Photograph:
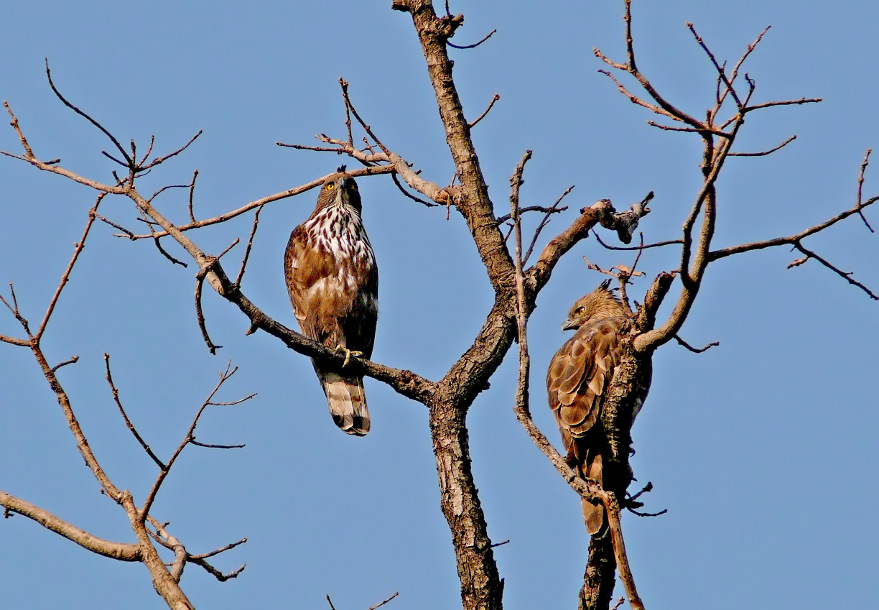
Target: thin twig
643, 514
646, 489
66, 275
247, 249
545, 221
696, 350
535, 208
24, 144
698, 130
191, 195
365, 171
188, 438
166, 188
128, 423
475, 44
410, 195
148, 152
664, 107
72, 360
721, 72
765, 152
220, 550
129, 162
199, 284
192, 441
160, 160
380, 604
126, 233
228, 248
157, 239
861, 185
220, 576
344, 84
482, 116
735, 71
802, 100
846, 275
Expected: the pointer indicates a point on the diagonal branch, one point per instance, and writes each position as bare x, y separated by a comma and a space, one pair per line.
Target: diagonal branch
128, 160
485, 112
547, 213
258, 203
630, 66
860, 200
475, 44
601, 212
764, 152
66, 275
113, 550
128, 423
846, 275
189, 438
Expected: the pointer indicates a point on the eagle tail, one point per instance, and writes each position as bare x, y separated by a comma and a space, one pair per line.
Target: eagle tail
347, 402
593, 514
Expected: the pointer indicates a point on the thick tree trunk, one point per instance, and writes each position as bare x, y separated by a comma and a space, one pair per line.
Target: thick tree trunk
598, 581
481, 586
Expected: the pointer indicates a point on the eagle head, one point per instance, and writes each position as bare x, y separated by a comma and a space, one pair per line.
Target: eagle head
600, 303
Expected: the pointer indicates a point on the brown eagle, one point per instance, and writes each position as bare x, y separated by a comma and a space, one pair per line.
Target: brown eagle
577, 381
332, 279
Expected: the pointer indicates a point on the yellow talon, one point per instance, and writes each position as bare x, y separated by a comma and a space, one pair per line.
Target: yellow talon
348, 354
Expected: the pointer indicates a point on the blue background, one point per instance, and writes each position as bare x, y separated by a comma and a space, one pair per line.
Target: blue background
761, 449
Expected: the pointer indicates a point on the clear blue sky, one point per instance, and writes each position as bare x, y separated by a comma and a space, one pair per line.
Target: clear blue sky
762, 450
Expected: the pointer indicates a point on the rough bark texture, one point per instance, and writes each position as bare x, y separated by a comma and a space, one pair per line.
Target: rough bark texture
598, 581
481, 585
630, 382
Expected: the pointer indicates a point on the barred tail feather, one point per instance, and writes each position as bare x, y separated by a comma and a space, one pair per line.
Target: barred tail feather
593, 514
347, 403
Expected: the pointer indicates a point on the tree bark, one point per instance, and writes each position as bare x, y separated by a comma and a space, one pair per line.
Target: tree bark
598, 581
481, 585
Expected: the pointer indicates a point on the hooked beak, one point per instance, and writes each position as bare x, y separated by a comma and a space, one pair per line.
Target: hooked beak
569, 325
342, 194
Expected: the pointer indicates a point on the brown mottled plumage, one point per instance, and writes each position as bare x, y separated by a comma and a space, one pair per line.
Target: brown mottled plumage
332, 279
577, 382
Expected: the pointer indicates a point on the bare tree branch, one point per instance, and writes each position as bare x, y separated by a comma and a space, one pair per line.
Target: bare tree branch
128, 423
66, 275
382, 603
860, 203
113, 550
765, 152
696, 350
475, 44
189, 438
486, 111
128, 160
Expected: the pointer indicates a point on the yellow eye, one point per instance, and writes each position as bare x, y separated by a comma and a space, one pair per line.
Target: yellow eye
579, 311
330, 186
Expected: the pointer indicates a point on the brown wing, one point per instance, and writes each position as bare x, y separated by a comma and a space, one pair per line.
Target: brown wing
577, 382
578, 377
